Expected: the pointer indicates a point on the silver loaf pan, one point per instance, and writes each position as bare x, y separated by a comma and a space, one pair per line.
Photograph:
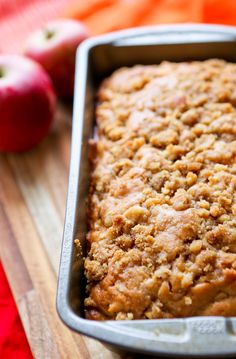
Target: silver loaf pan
96, 59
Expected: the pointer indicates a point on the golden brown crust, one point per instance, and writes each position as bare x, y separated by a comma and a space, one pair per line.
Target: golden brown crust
163, 193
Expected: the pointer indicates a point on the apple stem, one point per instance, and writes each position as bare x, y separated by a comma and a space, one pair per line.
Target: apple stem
49, 33
2, 72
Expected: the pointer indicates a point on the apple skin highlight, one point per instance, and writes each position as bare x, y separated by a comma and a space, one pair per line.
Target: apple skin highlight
27, 103
54, 47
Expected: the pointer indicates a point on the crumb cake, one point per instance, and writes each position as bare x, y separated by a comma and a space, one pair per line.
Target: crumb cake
162, 203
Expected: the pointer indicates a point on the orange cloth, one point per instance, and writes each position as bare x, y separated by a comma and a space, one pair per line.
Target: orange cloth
110, 15
18, 18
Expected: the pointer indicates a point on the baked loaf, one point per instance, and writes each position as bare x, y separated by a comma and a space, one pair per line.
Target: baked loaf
162, 206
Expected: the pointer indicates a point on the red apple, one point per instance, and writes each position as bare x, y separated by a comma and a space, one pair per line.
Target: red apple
54, 47
27, 103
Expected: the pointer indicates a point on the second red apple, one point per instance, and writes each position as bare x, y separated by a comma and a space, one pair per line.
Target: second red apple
54, 47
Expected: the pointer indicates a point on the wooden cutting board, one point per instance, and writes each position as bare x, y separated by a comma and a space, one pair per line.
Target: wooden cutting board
33, 188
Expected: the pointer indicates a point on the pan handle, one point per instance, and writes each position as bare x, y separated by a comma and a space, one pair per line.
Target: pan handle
174, 34
214, 336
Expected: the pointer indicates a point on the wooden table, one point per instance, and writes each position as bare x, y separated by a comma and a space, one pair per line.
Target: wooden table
33, 190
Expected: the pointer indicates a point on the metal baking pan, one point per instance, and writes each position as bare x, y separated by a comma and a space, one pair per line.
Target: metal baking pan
97, 58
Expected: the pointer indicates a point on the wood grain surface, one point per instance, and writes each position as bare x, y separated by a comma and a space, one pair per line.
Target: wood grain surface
33, 188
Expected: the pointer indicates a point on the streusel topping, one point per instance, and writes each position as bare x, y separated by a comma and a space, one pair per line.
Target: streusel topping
162, 239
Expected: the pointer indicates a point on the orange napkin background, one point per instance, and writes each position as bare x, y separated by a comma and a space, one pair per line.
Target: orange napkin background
18, 18
110, 15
